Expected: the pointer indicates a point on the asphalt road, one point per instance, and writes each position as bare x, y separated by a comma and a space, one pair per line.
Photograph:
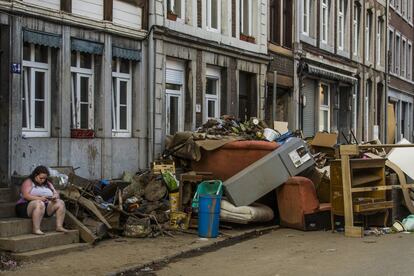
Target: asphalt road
291, 252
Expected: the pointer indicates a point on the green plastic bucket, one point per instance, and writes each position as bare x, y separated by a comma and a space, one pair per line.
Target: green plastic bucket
210, 187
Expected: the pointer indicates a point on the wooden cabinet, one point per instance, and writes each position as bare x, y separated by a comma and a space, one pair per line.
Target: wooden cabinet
367, 187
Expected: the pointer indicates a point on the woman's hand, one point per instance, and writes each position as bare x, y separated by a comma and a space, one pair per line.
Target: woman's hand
43, 198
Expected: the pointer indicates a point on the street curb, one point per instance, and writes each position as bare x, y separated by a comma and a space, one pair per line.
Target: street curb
227, 241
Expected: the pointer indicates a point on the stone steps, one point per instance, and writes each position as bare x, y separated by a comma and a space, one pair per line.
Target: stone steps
7, 209
19, 226
29, 242
7, 195
49, 252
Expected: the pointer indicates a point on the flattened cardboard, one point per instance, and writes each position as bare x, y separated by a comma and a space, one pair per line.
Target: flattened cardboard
280, 126
326, 140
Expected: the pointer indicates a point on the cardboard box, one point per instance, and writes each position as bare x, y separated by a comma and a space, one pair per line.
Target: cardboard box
325, 142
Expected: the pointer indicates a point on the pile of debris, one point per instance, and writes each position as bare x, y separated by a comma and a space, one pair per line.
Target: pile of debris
135, 206
228, 126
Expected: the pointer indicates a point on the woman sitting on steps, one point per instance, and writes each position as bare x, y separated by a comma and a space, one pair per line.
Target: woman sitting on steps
38, 198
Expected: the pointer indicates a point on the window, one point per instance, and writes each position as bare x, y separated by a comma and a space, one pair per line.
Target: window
246, 17
275, 22
410, 11
305, 16
404, 8
176, 7
36, 91
410, 61
403, 58
341, 24
379, 39
82, 90
325, 19
397, 54
174, 93
368, 27
213, 14
324, 109
391, 49
356, 20
121, 97
212, 101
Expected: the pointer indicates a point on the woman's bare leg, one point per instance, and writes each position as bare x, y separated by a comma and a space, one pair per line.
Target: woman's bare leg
36, 210
58, 207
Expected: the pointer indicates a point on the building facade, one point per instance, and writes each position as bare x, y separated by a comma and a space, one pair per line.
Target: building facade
340, 60
401, 81
280, 102
72, 70
206, 58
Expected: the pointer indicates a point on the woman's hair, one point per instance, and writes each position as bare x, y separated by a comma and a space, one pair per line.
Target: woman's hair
39, 170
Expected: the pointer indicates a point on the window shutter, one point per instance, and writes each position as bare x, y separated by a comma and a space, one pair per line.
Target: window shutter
233, 18
174, 76
309, 109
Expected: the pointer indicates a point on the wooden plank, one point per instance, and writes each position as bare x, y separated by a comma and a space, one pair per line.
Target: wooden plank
387, 146
347, 194
84, 232
354, 232
374, 206
349, 150
365, 179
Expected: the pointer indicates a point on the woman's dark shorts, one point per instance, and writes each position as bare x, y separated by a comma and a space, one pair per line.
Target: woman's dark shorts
21, 210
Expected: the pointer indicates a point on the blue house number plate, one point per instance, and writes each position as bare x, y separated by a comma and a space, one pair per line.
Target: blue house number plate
16, 68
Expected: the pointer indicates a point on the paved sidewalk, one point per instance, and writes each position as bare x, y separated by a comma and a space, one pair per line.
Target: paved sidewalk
122, 254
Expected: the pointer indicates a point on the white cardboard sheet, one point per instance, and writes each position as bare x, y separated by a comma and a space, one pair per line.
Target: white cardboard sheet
403, 158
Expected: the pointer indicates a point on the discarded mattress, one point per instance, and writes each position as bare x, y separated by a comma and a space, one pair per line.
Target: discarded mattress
244, 214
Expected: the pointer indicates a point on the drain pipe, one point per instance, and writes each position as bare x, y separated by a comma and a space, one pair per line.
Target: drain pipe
274, 97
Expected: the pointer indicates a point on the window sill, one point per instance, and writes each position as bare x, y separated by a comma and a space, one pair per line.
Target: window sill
119, 134
247, 38
35, 134
82, 133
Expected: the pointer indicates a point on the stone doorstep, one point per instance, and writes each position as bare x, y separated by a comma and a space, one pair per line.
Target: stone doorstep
7, 209
29, 242
49, 252
19, 226
7, 195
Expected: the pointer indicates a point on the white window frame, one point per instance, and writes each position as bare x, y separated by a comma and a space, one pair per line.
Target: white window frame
78, 72
379, 39
368, 28
250, 18
33, 66
397, 57
172, 5
121, 77
177, 66
356, 23
324, 25
213, 73
325, 108
403, 64
410, 61
209, 16
305, 16
341, 24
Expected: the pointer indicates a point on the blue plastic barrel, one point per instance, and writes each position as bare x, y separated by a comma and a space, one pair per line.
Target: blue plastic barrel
209, 215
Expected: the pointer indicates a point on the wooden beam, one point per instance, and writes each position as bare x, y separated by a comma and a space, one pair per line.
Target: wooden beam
347, 194
84, 232
66, 5
108, 10
349, 150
